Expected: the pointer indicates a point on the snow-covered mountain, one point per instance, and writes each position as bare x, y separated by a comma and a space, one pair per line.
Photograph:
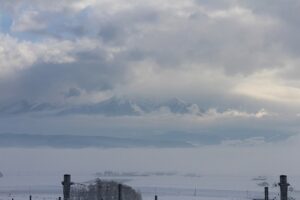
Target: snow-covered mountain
24, 106
179, 106
114, 106
110, 107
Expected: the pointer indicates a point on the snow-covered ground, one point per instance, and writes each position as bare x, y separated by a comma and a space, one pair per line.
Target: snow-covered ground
177, 186
39, 172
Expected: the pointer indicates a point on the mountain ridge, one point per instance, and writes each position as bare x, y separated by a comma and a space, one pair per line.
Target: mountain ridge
114, 106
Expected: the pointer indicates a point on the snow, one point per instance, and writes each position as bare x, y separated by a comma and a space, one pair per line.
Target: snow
178, 186
39, 172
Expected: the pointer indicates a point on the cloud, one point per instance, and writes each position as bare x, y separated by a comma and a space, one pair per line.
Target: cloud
19, 54
73, 92
235, 113
236, 61
266, 85
28, 21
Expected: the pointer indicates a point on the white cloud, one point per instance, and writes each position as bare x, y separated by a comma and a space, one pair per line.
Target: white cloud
189, 81
266, 85
18, 54
15, 55
237, 114
28, 21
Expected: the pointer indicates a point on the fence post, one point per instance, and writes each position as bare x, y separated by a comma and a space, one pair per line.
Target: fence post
119, 191
155, 197
67, 186
283, 187
266, 193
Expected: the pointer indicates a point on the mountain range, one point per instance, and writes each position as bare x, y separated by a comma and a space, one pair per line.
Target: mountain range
114, 106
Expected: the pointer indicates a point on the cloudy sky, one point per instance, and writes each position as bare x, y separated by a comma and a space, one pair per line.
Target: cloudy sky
140, 69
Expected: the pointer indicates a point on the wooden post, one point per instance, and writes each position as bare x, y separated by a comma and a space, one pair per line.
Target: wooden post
67, 186
155, 197
119, 191
59, 198
283, 187
30, 197
266, 193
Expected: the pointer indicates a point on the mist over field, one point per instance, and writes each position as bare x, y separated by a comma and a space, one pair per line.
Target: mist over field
226, 159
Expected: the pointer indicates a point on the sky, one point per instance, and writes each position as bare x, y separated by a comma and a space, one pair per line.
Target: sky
168, 69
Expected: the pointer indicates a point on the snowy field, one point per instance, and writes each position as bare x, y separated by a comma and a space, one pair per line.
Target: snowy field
39, 172
47, 187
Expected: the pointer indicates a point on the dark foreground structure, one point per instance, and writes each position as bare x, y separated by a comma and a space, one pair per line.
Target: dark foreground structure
111, 190
284, 186
98, 190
